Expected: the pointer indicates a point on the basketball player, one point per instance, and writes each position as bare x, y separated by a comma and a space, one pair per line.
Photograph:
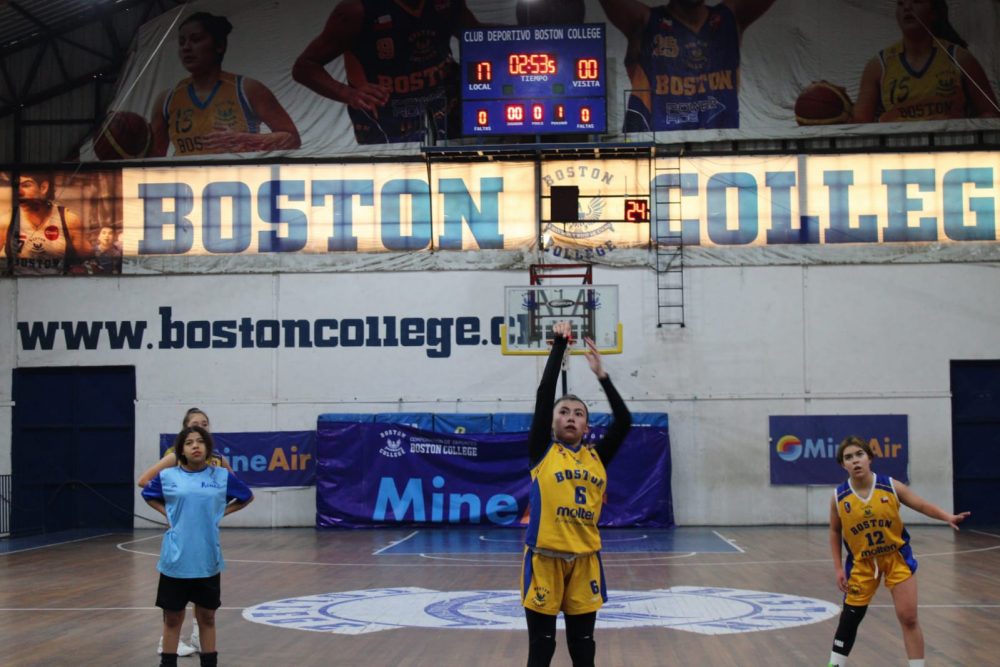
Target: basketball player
400, 70
562, 568
213, 111
927, 75
864, 515
194, 497
43, 238
193, 417
683, 59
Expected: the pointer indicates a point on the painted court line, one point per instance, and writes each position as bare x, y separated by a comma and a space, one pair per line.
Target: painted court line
728, 541
395, 543
54, 544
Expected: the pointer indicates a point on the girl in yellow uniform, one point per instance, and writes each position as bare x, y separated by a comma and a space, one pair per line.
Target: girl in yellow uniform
927, 75
864, 515
213, 111
562, 557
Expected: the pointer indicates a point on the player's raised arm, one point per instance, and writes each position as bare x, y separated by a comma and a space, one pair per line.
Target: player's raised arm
621, 420
540, 435
629, 16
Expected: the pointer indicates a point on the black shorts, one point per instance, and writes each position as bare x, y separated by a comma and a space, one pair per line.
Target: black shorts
173, 594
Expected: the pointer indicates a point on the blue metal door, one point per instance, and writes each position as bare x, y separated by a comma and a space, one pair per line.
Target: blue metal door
975, 441
73, 448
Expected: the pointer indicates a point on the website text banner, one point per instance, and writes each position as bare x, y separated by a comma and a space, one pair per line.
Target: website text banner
803, 449
272, 458
328, 209
376, 77
377, 474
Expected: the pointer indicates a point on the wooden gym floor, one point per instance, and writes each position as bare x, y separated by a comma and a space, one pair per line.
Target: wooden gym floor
89, 601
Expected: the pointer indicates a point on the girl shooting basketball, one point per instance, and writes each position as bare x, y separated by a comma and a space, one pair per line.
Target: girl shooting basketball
562, 563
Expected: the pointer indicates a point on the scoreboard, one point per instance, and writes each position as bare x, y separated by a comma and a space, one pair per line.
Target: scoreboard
533, 80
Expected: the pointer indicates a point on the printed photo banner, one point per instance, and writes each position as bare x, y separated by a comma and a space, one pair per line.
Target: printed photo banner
803, 448
372, 474
366, 77
219, 219
266, 458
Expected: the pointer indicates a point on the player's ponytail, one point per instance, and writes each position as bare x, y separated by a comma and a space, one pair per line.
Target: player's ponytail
942, 27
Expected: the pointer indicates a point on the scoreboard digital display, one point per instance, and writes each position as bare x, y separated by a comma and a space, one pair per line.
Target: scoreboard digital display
534, 80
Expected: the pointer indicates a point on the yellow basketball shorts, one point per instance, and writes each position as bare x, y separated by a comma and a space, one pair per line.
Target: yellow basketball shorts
550, 585
864, 575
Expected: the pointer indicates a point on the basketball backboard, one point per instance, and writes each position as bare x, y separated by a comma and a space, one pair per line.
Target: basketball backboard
530, 312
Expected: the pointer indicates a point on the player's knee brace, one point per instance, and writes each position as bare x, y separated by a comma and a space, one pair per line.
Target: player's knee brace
541, 648
847, 630
581, 650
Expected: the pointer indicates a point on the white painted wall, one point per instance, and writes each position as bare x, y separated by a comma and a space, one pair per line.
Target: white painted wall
844, 339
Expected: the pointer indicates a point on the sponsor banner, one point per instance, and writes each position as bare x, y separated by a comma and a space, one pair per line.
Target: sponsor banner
274, 458
377, 474
803, 448
197, 83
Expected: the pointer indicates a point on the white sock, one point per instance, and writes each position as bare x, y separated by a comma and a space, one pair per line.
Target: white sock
837, 659
917, 663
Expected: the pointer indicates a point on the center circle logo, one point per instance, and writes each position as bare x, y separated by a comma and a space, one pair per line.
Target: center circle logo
701, 609
789, 448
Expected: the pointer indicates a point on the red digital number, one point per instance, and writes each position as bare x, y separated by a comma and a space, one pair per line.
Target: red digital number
584, 114
515, 113
537, 112
531, 63
587, 69
636, 210
482, 118
559, 113
484, 72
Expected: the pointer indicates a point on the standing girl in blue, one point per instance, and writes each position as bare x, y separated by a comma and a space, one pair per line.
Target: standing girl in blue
194, 496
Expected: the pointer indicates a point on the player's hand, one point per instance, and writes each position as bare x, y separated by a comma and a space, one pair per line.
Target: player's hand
367, 97
224, 140
841, 580
563, 330
958, 518
594, 358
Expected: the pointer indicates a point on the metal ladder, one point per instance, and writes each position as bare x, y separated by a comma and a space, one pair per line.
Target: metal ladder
668, 242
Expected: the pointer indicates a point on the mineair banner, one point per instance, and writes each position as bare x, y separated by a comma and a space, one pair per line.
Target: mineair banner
380, 473
803, 448
300, 217
383, 76
272, 458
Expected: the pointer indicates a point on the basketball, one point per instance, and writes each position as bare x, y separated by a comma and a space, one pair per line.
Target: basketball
823, 103
549, 12
124, 135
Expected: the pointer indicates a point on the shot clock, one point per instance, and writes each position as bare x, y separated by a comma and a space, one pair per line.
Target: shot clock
533, 80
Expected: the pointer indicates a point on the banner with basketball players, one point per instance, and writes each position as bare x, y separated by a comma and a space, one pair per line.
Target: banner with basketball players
389, 473
65, 223
803, 448
380, 77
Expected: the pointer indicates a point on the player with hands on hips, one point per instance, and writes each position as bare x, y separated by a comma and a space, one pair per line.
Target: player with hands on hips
865, 518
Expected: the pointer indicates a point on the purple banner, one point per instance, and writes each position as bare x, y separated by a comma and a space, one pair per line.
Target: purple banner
803, 449
377, 474
271, 458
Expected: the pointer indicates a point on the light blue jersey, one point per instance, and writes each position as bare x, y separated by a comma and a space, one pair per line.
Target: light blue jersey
195, 503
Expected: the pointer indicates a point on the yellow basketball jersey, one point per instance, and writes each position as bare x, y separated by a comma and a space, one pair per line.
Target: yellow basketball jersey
871, 526
567, 495
189, 118
934, 93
